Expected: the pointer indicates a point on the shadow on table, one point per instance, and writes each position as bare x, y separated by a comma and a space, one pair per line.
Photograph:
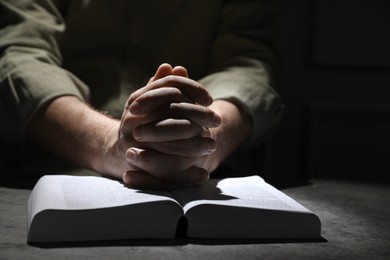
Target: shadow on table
19, 183
25, 183
177, 242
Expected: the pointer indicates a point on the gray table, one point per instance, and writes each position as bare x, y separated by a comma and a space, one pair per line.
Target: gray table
355, 225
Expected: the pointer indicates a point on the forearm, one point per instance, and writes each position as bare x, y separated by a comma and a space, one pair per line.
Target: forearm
30, 64
71, 129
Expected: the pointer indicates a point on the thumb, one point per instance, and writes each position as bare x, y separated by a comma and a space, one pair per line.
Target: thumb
180, 71
163, 70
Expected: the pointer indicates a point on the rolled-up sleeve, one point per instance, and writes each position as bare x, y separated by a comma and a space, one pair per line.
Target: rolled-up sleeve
30, 64
244, 60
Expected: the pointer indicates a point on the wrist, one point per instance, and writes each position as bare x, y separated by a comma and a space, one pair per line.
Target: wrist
69, 128
235, 129
107, 159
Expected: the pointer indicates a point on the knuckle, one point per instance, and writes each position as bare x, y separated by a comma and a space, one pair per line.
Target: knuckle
169, 79
197, 85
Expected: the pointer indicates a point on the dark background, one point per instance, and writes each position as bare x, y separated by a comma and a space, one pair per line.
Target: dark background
336, 87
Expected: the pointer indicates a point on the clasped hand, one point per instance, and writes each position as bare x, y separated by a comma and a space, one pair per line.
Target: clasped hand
164, 132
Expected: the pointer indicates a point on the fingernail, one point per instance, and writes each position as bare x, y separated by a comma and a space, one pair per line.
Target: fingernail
128, 179
217, 121
200, 176
203, 176
131, 155
137, 133
135, 108
212, 146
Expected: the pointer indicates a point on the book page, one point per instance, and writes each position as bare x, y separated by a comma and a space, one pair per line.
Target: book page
100, 192
244, 207
251, 192
86, 192
81, 208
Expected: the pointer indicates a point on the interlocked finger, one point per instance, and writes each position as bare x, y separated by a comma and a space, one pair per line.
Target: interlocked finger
167, 130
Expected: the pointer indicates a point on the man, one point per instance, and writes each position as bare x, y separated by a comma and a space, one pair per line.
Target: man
175, 129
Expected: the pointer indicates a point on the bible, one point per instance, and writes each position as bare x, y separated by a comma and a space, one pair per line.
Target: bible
65, 208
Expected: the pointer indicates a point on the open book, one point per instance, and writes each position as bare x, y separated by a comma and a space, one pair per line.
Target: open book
85, 208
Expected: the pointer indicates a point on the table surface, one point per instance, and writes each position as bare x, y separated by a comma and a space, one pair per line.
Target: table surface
355, 225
